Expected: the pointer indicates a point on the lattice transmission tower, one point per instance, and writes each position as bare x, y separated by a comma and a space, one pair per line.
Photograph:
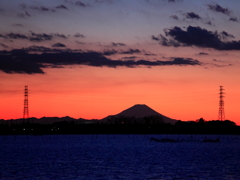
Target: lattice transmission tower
221, 113
25, 108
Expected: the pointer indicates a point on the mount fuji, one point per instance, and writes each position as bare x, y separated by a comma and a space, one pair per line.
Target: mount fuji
141, 111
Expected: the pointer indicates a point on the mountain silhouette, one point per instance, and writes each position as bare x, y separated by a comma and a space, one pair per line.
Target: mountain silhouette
141, 111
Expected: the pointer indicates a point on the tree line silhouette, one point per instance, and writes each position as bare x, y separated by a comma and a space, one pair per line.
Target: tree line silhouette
115, 125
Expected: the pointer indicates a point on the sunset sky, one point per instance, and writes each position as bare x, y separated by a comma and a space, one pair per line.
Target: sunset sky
94, 58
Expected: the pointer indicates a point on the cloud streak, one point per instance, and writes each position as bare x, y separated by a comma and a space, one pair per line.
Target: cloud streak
36, 37
218, 8
78, 35
118, 44
192, 15
24, 61
113, 51
58, 45
38, 8
61, 7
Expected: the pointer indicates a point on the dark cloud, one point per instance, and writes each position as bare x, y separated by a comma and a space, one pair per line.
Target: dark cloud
149, 54
21, 61
130, 58
23, 6
59, 35
78, 42
203, 53
118, 44
11, 62
113, 51
40, 49
58, 45
103, 1
40, 37
219, 66
209, 23
155, 38
81, 4
220, 63
78, 35
61, 7
218, 8
183, 61
170, 1
196, 36
77, 3
3, 45
225, 35
27, 14
131, 51
110, 52
42, 8
174, 0
17, 25
37, 37
14, 36
174, 17
164, 41
38, 8
23, 15
192, 15
218, 60
233, 19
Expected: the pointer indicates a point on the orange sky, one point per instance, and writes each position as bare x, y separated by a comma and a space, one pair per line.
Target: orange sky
89, 93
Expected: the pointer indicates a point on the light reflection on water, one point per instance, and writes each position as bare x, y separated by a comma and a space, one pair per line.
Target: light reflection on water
118, 157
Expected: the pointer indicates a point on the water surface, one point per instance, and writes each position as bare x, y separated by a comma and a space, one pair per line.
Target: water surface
99, 157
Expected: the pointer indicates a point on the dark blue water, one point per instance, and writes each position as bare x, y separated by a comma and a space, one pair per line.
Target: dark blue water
99, 157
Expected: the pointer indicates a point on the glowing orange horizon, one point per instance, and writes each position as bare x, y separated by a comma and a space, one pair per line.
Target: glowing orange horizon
98, 95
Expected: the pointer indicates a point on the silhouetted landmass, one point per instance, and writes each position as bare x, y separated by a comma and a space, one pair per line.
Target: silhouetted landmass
117, 125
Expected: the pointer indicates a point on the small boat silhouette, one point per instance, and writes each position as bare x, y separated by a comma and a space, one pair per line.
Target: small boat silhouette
211, 140
162, 140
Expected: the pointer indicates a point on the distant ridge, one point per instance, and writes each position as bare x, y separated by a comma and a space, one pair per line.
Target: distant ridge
141, 111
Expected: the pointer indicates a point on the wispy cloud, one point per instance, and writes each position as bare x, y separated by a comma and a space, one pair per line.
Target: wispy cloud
61, 7
38, 8
78, 3
118, 44
3, 45
17, 25
113, 51
78, 35
131, 51
175, 0
58, 45
174, 17
203, 53
36, 37
218, 8
192, 15
233, 19
79, 42
81, 4
24, 14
